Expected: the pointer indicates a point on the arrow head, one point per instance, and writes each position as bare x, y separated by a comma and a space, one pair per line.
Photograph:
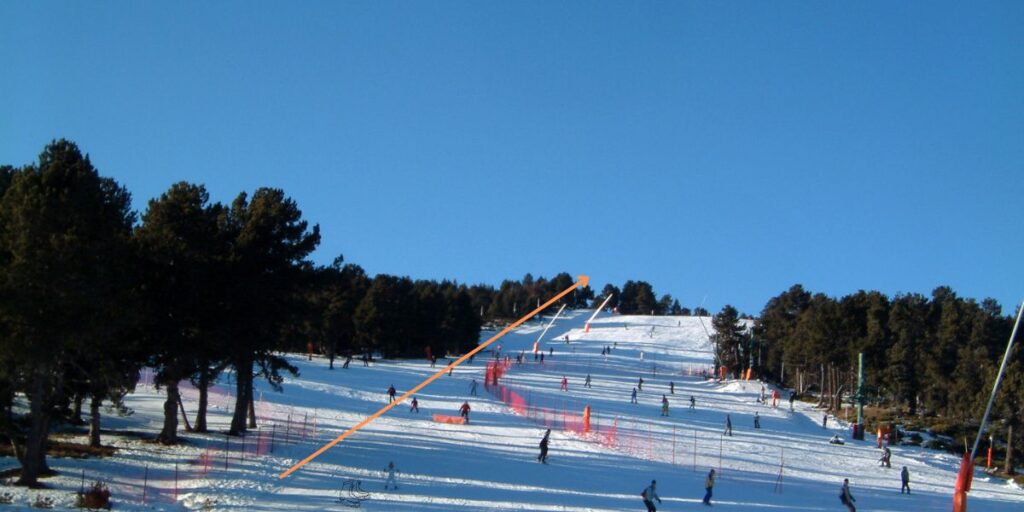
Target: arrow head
583, 280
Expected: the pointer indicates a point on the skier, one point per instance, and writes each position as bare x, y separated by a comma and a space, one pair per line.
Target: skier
632, 400
565, 384
551, 352
693, 402
391, 393
391, 476
464, 411
846, 497
649, 496
640, 385
542, 358
433, 361
664, 405
728, 425
586, 383
415, 406
450, 368
792, 396
760, 399
757, 420
543, 457
366, 360
348, 359
671, 387
824, 420
905, 476
886, 457
472, 387
775, 398
709, 484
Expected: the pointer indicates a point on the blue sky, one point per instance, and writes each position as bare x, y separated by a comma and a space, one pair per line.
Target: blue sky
724, 150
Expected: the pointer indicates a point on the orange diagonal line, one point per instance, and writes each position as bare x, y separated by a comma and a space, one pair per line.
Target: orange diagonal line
581, 281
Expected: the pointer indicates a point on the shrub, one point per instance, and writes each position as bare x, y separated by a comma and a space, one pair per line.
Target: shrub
98, 496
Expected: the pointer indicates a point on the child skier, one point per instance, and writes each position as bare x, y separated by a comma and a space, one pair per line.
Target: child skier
464, 411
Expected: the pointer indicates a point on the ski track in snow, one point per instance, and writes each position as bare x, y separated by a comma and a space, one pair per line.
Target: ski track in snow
491, 463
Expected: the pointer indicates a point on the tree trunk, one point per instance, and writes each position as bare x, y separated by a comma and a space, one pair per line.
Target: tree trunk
252, 407
76, 413
169, 435
1009, 450
243, 390
33, 460
204, 391
184, 415
94, 421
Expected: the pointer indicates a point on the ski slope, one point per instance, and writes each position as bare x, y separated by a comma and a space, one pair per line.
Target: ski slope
490, 464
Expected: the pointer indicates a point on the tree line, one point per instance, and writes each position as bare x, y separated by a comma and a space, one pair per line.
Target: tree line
932, 357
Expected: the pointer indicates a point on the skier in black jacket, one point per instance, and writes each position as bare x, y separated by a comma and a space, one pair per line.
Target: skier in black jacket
543, 457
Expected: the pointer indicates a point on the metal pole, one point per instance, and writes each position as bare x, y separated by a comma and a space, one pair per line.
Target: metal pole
999, 378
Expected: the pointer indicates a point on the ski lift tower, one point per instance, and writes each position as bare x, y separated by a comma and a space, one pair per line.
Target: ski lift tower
858, 428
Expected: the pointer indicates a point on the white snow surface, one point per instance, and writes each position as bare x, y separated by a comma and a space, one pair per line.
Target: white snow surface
491, 463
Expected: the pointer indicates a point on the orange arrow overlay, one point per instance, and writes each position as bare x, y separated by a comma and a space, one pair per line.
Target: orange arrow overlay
580, 282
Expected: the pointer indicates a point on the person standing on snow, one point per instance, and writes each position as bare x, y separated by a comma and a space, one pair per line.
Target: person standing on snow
565, 384
757, 420
391, 393
391, 470
792, 396
824, 420
640, 384
632, 400
709, 485
464, 411
586, 383
728, 425
664, 405
886, 458
693, 402
649, 495
671, 387
846, 497
415, 406
543, 457
472, 387
905, 476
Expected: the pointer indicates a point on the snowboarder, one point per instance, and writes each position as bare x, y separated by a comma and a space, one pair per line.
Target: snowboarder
586, 383
649, 496
886, 458
472, 387
543, 457
391, 470
640, 385
846, 497
671, 387
905, 476
835, 440
464, 411
693, 402
664, 405
565, 384
757, 420
709, 485
391, 393
415, 406
824, 420
632, 400
728, 425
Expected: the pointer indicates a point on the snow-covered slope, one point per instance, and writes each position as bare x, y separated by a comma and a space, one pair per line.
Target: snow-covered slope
490, 464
